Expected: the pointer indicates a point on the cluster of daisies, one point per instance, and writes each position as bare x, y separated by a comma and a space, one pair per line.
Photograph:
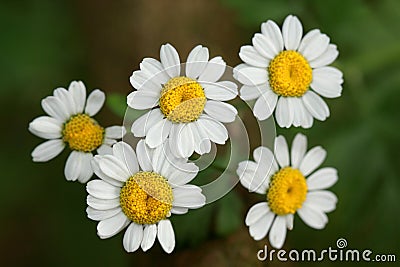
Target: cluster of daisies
139, 188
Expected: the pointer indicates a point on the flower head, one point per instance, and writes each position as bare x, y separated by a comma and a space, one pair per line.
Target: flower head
70, 123
140, 191
290, 187
186, 109
288, 72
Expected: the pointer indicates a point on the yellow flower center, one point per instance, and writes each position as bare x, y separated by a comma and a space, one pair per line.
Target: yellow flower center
146, 198
83, 133
287, 191
289, 74
182, 100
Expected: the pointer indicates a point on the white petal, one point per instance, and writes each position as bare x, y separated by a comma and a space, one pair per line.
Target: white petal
179, 210
101, 174
278, 232
252, 76
138, 78
154, 70
301, 116
196, 61
182, 174
264, 46
281, 151
78, 91
270, 30
322, 179
166, 236
100, 215
185, 141
104, 150
143, 99
114, 168
322, 200
316, 105
314, 218
126, 154
222, 91
260, 228
284, 113
330, 54
133, 237
252, 57
188, 196
95, 102
313, 45
256, 212
55, 108
144, 156
48, 150
299, 148
289, 221
102, 204
142, 124
327, 81
102, 190
248, 92
46, 127
201, 143
112, 226
312, 160
170, 60
66, 98
158, 133
292, 31
78, 166
253, 176
115, 132
220, 111
264, 156
215, 130
213, 71
265, 105
149, 236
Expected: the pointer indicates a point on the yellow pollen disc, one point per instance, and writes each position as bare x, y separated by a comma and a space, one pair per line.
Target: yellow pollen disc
146, 198
289, 74
182, 100
287, 191
83, 133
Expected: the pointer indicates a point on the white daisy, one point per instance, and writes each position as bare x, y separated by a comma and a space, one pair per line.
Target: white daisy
70, 123
188, 109
280, 68
289, 188
140, 191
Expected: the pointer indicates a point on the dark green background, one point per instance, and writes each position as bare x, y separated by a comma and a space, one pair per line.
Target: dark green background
46, 44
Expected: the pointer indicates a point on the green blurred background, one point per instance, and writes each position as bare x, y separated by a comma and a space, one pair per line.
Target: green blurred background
46, 44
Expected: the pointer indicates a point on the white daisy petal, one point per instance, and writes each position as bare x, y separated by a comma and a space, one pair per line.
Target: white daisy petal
281, 151
248, 92
252, 76
186, 143
101, 174
284, 113
223, 91
95, 102
196, 61
100, 215
326, 58
179, 210
264, 156
312, 160
149, 236
78, 166
78, 91
143, 99
213, 71
188, 196
158, 133
299, 148
313, 45
265, 47
102, 190
265, 105
277, 234
322, 179
154, 70
327, 82
314, 218
138, 78
170, 60
104, 150
55, 108
215, 130
46, 127
66, 98
256, 212
48, 150
115, 132
252, 57
102, 204
292, 31
112, 226
315, 105
142, 124
144, 156
182, 174
113, 167
289, 221
166, 236
270, 30
260, 228
220, 111
133, 237
322, 200
126, 154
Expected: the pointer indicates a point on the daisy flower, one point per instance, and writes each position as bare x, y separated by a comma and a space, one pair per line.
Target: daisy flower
289, 73
289, 188
140, 191
70, 123
188, 109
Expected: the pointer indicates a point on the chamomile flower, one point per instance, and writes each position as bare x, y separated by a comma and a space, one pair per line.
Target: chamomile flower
140, 191
70, 123
289, 73
187, 109
292, 187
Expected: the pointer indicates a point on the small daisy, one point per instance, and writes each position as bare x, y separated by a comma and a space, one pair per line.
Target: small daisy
140, 191
280, 68
286, 188
186, 108
70, 123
